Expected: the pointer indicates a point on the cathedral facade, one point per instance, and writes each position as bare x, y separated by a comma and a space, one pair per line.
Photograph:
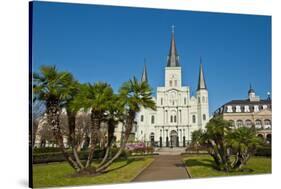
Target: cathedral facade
177, 113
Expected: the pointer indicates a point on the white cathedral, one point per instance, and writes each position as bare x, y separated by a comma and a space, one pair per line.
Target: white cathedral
177, 113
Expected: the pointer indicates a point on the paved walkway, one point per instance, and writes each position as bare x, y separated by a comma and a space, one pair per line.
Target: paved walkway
164, 167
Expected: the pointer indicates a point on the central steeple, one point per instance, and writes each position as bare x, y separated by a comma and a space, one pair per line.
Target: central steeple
201, 80
173, 58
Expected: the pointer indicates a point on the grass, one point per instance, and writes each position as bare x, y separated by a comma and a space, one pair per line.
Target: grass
60, 174
201, 166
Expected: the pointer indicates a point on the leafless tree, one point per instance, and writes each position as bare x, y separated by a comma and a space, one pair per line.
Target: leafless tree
82, 129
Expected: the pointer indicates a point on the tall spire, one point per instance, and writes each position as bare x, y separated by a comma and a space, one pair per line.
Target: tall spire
251, 90
173, 58
201, 81
144, 77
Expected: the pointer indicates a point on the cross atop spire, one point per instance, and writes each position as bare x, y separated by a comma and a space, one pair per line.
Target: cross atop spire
173, 28
251, 90
201, 80
173, 58
144, 77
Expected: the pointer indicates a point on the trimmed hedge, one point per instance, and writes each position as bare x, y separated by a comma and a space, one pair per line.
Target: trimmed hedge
83, 155
46, 150
58, 156
144, 150
263, 151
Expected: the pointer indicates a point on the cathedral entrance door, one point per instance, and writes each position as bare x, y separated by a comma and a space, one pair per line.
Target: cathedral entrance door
173, 138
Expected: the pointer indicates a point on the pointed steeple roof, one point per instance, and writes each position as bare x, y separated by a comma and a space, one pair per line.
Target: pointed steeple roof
173, 58
201, 80
144, 77
251, 90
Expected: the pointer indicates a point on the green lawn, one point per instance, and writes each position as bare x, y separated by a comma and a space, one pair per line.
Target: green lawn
59, 174
202, 166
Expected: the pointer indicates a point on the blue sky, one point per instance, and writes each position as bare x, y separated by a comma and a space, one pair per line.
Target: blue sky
106, 43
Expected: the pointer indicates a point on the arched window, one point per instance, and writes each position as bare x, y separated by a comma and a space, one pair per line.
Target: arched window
175, 119
261, 136
184, 100
180, 116
232, 124
267, 124
204, 117
152, 119
171, 83
166, 116
248, 123
268, 138
198, 99
152, 138
176, 83
258, 124
161, 101
171, 120
239, 123
193, 119
142, 118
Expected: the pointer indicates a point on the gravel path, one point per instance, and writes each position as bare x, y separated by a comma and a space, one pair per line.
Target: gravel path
164, 167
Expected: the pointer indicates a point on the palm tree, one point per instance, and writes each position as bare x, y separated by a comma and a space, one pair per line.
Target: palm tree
54, 89
215, 139
196, 138
94, 97
244, 142
71, 120
114, 115
133, 96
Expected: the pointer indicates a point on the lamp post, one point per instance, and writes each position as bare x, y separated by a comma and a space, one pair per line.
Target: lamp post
183, 137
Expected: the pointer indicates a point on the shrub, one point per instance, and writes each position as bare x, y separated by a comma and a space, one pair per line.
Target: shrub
58, 156
263, 151
149, 149
46, 150
124, 154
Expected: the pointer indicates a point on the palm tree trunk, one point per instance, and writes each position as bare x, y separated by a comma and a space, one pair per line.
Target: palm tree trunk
123, 142
107, 164
95, 124
53, 115
111, 129
71, 126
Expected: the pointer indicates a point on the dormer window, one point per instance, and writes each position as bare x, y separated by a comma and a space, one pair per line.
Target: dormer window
256, 108
246, 108
229, 109
238, 109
